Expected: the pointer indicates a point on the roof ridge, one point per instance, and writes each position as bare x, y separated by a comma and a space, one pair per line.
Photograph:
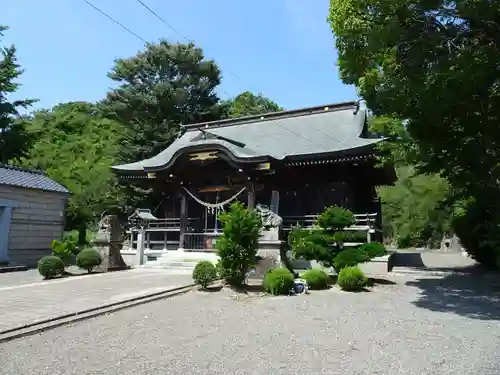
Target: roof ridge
21, 169
275, 115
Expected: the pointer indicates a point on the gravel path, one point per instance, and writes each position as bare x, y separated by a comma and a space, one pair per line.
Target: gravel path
393, 329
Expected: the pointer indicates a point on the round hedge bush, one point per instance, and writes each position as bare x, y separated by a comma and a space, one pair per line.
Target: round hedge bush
351, 278
204, 273
348, 258
278, 281
88, 259
316, 279
373, 249
50, 266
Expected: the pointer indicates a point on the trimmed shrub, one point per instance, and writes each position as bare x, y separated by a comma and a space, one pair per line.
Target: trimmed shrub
204, 273
350, 236
336, 218
373, 250
349, 258
50, 266
239, 243
316, 279
88, 259
351, 278
278, 281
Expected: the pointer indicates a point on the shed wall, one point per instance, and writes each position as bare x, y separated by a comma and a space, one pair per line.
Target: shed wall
36, 221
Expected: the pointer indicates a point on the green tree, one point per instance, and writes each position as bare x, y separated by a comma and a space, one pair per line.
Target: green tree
14, 140
159, 89
417, 210
247, 104
76, 147
436, 65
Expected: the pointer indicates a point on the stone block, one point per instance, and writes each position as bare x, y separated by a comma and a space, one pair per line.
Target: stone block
377, 266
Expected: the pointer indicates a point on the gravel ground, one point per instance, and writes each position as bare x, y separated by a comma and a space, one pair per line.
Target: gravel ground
420, 325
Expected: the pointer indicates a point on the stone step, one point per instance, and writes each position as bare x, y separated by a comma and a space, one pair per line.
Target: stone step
171, 264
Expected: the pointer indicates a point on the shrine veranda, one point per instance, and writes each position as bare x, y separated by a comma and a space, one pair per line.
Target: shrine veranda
294, 162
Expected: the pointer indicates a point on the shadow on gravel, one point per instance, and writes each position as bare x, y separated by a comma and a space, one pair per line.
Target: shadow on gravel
468, 291
373, 281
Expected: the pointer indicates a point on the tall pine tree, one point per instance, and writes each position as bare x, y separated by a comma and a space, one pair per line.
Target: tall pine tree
14, 140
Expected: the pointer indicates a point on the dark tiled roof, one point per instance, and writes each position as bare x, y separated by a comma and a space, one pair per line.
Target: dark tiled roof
304, 133
27, 178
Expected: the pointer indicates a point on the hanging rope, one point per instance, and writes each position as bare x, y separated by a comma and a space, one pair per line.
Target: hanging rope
213, 207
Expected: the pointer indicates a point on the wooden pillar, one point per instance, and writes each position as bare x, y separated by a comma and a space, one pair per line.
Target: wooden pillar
183, 220
251, 197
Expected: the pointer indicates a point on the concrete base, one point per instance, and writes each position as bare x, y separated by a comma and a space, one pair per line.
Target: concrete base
270, 250
103, 249
13, 268
377, 266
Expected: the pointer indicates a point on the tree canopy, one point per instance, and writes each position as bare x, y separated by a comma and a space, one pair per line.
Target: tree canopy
14, 140
160, 88
247, 104
436, 65
76, 147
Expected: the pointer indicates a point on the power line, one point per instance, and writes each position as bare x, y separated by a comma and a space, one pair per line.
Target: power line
184, 37
115, 21
126, 28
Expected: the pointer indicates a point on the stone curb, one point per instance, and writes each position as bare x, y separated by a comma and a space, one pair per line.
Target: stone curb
43, 325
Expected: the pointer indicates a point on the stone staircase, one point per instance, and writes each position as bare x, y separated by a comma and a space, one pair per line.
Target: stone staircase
182, 263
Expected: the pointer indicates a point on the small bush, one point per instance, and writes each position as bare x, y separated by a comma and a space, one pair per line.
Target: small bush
316, 279
373, 250
204, 273
349, 258
237, 247
278, 281
351, 278
50, 266
88, 259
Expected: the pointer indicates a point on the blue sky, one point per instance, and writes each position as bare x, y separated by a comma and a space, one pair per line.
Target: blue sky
281, 48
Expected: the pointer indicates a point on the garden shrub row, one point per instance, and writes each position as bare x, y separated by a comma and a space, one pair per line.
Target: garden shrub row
280, 281
52, 266
238, 245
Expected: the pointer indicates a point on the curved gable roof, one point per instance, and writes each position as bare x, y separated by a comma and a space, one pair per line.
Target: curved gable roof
282, 135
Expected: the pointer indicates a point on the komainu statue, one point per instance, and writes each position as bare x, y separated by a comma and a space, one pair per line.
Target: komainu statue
272, 222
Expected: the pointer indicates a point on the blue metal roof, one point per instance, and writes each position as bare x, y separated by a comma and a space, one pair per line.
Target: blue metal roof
28, 178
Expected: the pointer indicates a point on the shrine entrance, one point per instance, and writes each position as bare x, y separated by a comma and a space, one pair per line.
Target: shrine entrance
205, 206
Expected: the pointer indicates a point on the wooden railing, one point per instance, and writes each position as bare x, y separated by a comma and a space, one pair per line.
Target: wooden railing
164, 234
363, 222
200, 241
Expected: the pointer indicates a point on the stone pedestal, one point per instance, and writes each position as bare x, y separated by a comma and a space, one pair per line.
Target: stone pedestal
139, 255
109, 245
269, 246
102, 246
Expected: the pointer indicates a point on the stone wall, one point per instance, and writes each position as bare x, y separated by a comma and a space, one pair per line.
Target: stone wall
36, 221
